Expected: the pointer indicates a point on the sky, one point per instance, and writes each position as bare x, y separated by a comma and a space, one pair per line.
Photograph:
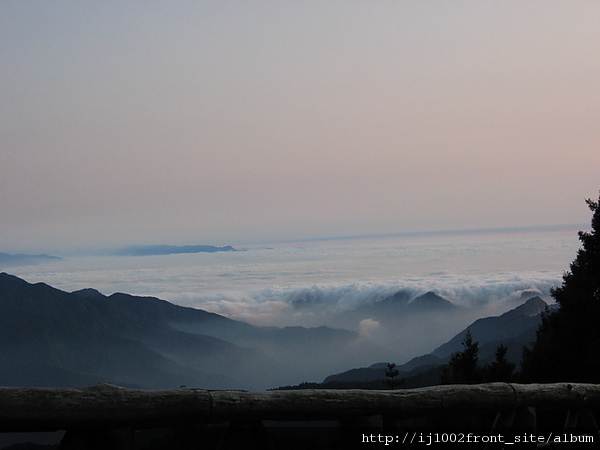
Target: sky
146, 122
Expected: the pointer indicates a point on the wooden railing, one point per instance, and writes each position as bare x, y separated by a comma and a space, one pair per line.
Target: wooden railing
117, 411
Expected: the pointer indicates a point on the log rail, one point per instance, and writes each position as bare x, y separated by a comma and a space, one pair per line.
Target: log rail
112, 407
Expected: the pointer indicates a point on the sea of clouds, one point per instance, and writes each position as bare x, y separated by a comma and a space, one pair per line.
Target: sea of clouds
315, 283
310, 283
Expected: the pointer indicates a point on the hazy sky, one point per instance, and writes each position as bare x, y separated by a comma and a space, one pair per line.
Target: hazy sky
225, 122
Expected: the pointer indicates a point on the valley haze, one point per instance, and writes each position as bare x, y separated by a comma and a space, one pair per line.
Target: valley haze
56, 338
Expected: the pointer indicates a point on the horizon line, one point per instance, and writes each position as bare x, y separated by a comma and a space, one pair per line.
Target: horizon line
455, 232
403, 234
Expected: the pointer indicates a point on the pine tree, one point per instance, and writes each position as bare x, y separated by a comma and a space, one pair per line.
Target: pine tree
501, 369
567, 346
463, 367
391, 373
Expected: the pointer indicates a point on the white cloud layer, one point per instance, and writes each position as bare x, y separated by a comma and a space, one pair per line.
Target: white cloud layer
309, 283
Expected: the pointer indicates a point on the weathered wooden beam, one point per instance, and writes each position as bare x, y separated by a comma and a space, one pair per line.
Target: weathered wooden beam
335, 404
101, 406
108, 406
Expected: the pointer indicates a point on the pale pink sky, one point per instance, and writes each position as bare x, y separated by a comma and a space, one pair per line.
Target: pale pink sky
237, 122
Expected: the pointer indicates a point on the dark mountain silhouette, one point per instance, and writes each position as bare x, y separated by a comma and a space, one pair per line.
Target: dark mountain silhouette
431, 302
52, 338
402, 305
518, 324
49, 337
515, 329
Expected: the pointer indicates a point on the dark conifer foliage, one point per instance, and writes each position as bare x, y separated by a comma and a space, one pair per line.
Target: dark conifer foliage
501, 369
463, 367
390, 376
567, 346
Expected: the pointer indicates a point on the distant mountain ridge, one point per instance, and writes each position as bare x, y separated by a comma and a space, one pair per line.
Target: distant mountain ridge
407, 302
49, 337
407, 313
155, 250
518, 324
13, 260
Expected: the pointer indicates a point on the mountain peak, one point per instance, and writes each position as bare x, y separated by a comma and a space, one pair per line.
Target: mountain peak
88, 293
430, 300
531, 307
